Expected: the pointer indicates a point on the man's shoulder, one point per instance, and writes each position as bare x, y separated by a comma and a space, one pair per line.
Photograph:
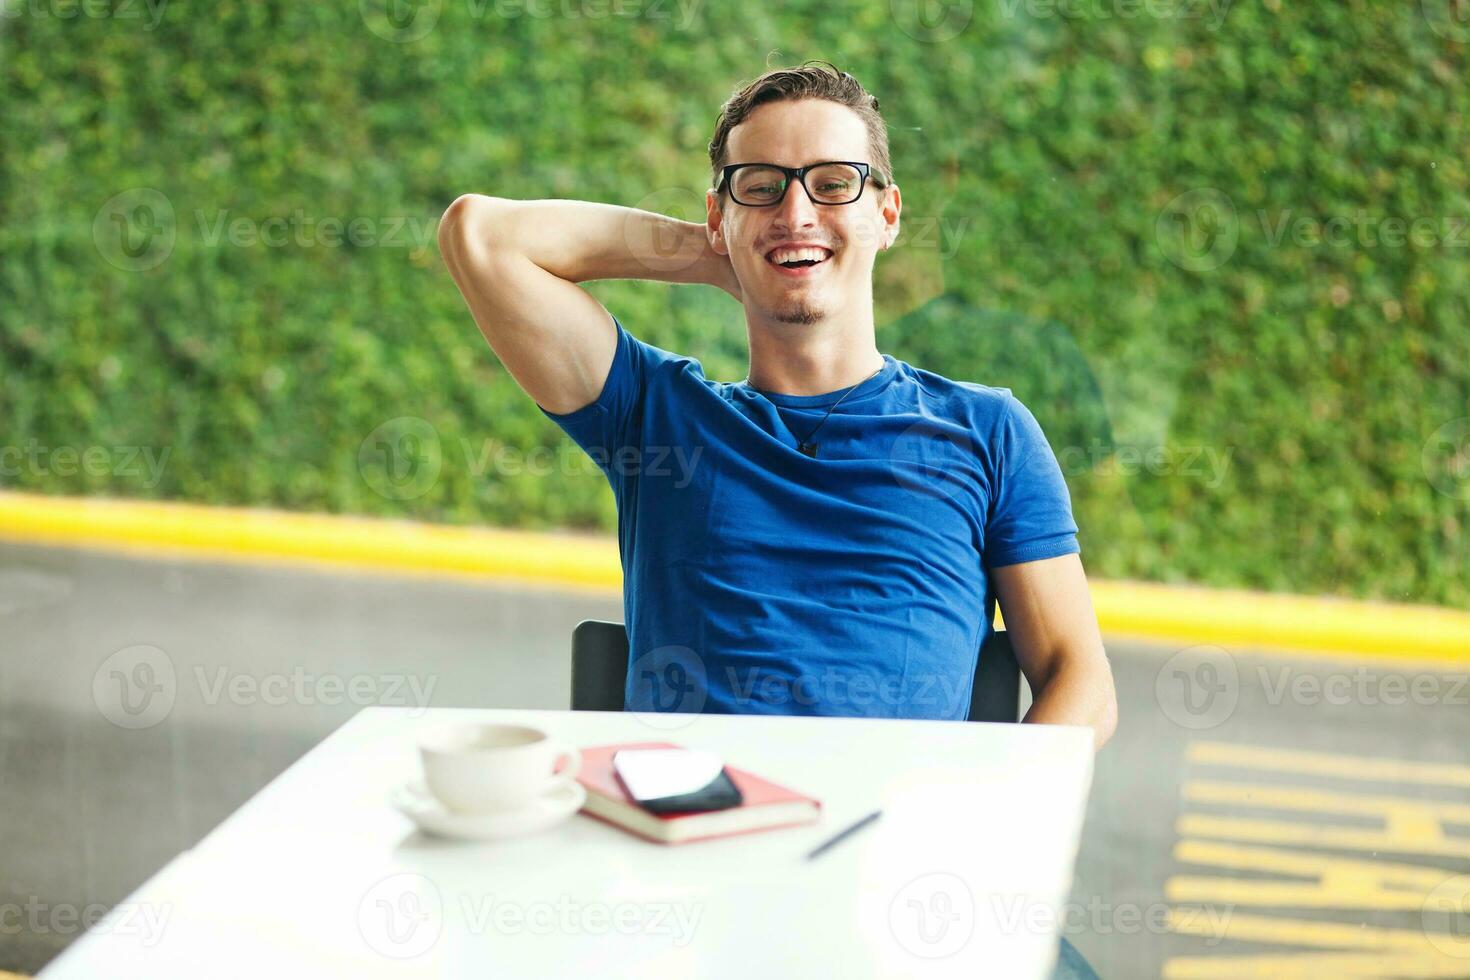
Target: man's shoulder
662, 365
983, 404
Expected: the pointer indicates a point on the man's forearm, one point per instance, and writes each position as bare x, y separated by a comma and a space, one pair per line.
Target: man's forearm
1077, 694
582, 240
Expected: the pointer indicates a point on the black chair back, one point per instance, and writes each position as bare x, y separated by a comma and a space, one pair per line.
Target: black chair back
600, 671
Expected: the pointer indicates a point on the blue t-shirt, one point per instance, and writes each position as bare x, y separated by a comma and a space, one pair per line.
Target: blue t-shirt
761, 580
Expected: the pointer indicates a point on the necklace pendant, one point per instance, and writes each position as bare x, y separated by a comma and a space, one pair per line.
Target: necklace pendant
808, 449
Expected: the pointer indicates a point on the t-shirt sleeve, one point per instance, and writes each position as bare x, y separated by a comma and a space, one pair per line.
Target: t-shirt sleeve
611, 423
1030, 511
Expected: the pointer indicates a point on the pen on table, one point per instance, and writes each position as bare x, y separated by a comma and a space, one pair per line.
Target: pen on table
843, 835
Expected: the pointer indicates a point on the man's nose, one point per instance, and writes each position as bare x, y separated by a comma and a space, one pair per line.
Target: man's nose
796, 209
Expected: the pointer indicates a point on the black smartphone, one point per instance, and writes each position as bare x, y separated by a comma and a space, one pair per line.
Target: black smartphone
675, 780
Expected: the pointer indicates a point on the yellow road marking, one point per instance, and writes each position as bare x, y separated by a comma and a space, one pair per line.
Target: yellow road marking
1315, 966
1355, 879
1316, 880
1399, 838
1300, 932
1380, 952
1328, 764
1276, 797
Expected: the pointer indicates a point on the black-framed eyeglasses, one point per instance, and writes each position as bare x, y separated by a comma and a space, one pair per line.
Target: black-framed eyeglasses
764, 185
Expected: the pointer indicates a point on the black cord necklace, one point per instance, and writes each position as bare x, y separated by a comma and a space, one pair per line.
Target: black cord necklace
806, 446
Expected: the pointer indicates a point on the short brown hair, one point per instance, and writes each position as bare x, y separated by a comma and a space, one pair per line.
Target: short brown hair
792, 84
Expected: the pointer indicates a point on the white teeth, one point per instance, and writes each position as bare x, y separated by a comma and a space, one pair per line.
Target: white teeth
799, 254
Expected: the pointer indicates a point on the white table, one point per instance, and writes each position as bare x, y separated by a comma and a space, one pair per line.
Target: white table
964, 875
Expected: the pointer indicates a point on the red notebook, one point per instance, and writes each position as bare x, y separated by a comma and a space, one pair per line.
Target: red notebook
765, 807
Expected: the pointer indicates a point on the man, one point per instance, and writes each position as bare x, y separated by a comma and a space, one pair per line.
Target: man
828, 536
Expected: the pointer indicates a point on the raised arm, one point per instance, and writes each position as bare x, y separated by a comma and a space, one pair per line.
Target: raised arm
517, 264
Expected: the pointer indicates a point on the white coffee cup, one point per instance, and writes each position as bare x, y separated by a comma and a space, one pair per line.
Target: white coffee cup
486, 768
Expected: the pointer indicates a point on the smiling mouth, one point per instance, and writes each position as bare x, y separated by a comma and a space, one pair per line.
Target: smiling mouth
805, 263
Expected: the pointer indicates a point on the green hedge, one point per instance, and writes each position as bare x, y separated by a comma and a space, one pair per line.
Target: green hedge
1047, 248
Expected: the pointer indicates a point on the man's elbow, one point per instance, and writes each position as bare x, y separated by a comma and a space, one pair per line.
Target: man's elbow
464, 226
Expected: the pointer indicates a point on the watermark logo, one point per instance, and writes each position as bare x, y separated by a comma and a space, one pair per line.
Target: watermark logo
135, 230
401, 916
659, 246
933, 916
1198, 230
1450, 19
400, 21
670, 687
135, 687
1198, 687
930, 458
1446, 917
401, 458
932, 21
1446, 459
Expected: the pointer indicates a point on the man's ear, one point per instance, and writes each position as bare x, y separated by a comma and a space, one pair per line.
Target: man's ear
892, 205
715, 223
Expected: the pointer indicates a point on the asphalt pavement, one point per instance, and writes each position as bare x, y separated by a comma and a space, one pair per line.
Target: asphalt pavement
1256, 814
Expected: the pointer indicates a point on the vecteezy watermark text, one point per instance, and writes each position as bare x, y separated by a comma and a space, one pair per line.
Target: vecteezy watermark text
311, 231
1364, 687
403, 915
401, 459
298, 686
565, 916
1096, 917
1200, 229
1207, 463
1363, 230
1211, 12
1200, 687
35, 917
136, 230
406, 21
37, 459
138, 686
90, 9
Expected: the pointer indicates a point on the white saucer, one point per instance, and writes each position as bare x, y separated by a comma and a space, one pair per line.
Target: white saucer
414, 801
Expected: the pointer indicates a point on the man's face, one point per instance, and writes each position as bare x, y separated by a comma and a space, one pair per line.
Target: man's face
796, 134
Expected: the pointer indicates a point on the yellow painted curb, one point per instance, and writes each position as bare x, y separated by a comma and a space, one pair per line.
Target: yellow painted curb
561, 560
1183, 615
1189, 615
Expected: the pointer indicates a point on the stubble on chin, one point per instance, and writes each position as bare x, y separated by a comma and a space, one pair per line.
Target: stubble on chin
801, 314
